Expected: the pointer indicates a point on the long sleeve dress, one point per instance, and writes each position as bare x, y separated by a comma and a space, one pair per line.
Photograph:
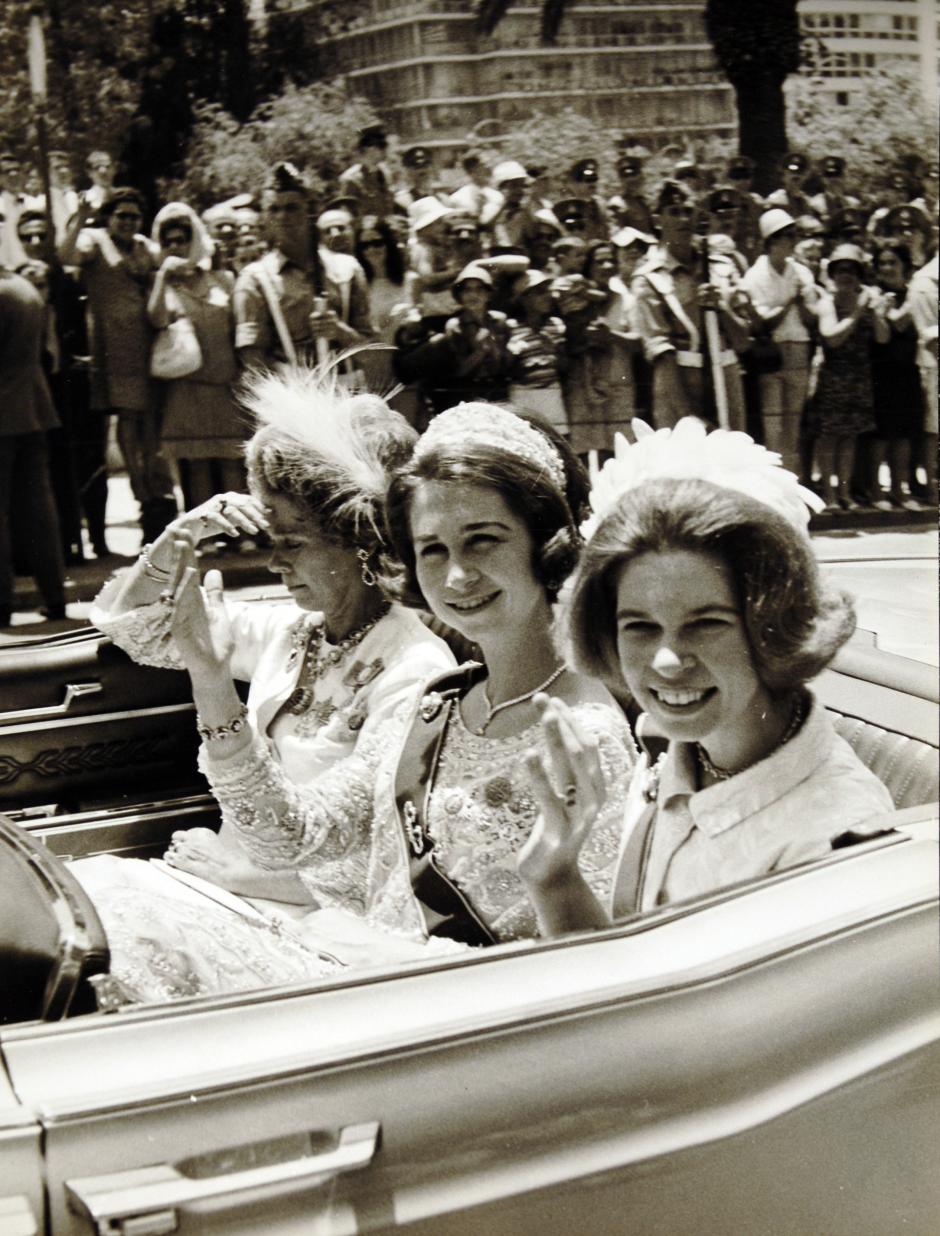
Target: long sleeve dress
192, 944
480, 813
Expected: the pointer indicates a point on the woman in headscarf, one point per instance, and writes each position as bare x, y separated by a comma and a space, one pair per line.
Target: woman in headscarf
201, 423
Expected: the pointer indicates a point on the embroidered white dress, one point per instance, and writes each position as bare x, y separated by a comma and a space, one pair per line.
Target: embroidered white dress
480, 812
167, 940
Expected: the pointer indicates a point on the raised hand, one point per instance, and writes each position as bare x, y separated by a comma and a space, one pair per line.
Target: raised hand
200, 624
224, 514
568, 785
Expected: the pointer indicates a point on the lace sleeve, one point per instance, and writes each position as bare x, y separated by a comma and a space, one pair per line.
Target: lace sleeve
144, 633
283, 824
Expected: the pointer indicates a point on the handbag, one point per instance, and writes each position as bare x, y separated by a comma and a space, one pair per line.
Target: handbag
176, 351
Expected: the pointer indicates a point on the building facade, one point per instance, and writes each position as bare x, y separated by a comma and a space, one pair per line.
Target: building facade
845, 39
645, 68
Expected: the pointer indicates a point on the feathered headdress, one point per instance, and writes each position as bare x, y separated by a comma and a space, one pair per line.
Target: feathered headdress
345, 442
725, 457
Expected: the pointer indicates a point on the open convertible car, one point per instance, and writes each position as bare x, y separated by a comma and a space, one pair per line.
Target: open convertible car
765, 1060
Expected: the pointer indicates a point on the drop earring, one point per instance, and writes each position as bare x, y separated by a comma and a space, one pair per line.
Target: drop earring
368, 575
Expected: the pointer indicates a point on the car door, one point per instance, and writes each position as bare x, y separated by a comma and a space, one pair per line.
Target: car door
763, 1060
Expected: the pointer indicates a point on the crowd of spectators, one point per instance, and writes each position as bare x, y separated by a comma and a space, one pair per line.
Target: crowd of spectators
809, 319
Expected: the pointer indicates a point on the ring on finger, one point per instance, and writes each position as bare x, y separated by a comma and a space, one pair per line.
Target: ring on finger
223, 503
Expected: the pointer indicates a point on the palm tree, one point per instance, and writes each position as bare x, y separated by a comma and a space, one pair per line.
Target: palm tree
757, 44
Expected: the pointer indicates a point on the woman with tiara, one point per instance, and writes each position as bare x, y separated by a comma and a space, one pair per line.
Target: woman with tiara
699, 591
481, 520
326, 673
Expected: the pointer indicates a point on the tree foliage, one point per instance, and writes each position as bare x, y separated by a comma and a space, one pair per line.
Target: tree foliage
315, 127
885, 125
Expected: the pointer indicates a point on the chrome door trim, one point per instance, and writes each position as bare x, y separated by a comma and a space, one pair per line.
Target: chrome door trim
94, 718
131, 1197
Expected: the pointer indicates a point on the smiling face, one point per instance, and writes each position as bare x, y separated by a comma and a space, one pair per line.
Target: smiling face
473, 561
890, 270
124, 222
684, 651
319, 574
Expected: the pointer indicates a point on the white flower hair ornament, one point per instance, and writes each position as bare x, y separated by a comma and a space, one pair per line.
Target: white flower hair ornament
689, 451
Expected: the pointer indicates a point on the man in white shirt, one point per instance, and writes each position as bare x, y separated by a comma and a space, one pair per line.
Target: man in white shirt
782, 293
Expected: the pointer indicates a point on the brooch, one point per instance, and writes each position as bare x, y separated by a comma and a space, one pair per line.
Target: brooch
413, 828
360, 673
430, 706
498, 792
651, 779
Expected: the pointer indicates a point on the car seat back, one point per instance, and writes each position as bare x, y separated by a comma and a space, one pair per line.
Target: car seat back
908, 767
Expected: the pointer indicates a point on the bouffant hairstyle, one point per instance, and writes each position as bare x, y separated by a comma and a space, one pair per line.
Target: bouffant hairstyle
551, 516
886, 244
795, 624
118, 197
330, 452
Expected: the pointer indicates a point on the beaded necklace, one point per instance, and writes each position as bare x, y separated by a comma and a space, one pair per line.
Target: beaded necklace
722, 774
493, 709
316, 662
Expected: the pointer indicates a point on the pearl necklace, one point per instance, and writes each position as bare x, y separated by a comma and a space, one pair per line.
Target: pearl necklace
316, 662
493, 709
722, 774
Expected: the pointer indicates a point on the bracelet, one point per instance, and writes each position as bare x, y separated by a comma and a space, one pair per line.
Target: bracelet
212, 733
151, 570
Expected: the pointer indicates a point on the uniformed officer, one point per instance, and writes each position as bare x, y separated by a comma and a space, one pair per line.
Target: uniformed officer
790, 196
368, 180
834, 197
582, 184
896, 192
910, 224
629, 207
674, 287
419, 168
727, 210
288, 300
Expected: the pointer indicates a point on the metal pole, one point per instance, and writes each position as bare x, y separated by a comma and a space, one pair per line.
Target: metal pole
37, 84
713, 340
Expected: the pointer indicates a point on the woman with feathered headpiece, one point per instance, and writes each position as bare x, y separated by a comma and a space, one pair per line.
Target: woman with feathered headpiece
326, 673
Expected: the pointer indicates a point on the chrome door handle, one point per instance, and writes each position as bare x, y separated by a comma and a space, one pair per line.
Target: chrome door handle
143, 1201
73, 691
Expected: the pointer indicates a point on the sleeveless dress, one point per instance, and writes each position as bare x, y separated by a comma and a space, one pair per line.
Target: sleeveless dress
898, 393
843, 406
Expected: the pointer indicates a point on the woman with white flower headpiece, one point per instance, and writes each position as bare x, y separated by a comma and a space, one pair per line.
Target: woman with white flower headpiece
481, 520
326, 672
698, 589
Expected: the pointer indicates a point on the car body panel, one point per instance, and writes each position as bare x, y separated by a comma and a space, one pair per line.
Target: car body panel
763, 1060
529, 1068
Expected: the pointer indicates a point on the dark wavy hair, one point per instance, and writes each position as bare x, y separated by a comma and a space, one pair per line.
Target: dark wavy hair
117, 197
394, 261
551, 516
886, 244
794, 622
